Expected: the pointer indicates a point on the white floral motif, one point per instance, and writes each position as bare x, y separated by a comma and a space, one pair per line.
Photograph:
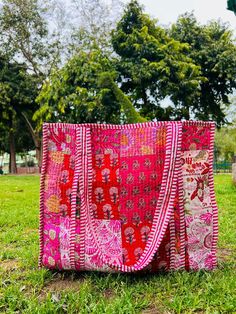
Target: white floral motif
113, 194
99, 194
105, 175
64, 237
109, 239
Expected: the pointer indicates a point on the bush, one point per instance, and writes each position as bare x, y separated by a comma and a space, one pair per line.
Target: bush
29, 163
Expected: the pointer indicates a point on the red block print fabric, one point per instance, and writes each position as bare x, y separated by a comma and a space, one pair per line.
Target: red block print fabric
106, 186
141, 182
106, 163
128, 198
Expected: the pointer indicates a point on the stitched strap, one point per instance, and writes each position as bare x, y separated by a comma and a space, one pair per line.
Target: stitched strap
165, 202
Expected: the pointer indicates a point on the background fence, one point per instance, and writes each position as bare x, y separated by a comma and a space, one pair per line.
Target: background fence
222, 167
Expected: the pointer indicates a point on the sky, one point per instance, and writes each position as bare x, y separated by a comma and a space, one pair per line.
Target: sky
167, 11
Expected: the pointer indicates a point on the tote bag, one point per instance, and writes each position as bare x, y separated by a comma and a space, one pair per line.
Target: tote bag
127, 198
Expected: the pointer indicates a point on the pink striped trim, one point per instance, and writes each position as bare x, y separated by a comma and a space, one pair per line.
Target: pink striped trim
42, 186
172, 221
181, 214
212, 195
82, 170
130, 126
165, 201
167, 194
73, 200
172, 242
88, 172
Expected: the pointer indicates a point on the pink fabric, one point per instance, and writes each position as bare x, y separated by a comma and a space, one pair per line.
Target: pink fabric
128, 198
111, 246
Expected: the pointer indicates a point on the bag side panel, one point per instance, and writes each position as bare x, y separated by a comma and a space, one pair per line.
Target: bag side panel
55, 199
197, 161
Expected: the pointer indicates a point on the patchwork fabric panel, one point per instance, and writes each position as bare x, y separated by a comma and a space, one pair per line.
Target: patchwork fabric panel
59, 171
127, 175
142, 162
128, 197
111, 246
198, 208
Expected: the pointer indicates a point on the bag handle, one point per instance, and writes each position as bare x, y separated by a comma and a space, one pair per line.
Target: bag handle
165, 203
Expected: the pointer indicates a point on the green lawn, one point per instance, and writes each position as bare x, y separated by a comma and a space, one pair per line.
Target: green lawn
26, 289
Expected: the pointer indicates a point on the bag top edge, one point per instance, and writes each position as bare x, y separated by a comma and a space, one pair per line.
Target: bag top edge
131, 125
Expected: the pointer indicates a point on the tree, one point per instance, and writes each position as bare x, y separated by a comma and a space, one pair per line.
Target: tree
213, 49
230, 111
24, 35
22, 138
84, 90
94, 20
17, 93
225, 143
25, 39
110, 91
153, 65
231, 5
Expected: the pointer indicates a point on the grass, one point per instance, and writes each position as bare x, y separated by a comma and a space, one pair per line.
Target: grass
26, 289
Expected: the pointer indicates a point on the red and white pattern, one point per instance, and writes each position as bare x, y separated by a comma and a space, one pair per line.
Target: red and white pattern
109, 232
128, 197
64, 238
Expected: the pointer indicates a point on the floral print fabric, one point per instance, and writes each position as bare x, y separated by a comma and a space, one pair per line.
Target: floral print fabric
198, 209
127, 168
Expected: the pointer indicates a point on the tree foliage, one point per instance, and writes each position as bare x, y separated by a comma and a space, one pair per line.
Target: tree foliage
25, 45
24, 35
18, 90
93, 22
214, 50
17, 93
84, 90
152, 65
225, 143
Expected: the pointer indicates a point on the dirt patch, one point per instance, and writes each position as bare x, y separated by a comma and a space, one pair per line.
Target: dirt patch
61, 285
108, 293
58, 286
153, 310
224, 254
9, 264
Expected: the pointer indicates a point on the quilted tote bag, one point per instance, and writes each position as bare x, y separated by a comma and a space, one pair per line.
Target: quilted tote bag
127, 198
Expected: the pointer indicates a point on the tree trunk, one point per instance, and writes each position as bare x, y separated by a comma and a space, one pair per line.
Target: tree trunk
144, 98
12, 163
36, 139
187, 117
39, 156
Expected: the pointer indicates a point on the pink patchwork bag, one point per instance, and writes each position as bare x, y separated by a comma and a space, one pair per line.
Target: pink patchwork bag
135, 197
